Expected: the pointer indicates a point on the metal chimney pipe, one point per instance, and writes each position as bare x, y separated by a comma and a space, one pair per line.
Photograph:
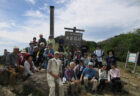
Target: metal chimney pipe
52, 21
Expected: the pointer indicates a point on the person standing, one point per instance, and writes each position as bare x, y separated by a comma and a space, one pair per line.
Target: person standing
52, 41
84, 48
34, 41
41, 40
54, 70
110, 59
99, 53
48, 54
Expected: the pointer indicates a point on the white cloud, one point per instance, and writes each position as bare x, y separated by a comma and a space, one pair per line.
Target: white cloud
31, 1
60, 1
4, 25
36, 13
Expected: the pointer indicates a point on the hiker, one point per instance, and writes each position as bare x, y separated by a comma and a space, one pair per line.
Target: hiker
12, 65
67, 53
94, 60
84, 48
48, 54
67, 61
110, 59
34, 41
41, 40
104, 78
29, 67
31, 48
115, 79
88, 76
61, 44
79, 69
77, 55
99, 53
41, 57
36, 56
52, 41
5, 55
54, 70
72, 78
85, 59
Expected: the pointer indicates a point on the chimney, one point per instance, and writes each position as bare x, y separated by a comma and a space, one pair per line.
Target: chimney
52, 21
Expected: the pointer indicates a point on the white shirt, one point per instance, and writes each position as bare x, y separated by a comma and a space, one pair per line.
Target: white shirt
99, 54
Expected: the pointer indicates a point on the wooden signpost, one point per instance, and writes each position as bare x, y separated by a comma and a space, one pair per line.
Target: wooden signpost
132, 58
74, 37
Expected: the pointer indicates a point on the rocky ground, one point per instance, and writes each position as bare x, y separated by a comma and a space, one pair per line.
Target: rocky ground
37, 86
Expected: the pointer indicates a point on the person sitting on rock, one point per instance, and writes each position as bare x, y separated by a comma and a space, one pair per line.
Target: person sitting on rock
115, 78
79, 69
88, 76
12, 65
72, 78
94, 60
54, 70
29, 67
104, 78
85, 59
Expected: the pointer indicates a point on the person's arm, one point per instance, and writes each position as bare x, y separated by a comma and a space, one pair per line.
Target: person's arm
99, 74
118, 73
81, 78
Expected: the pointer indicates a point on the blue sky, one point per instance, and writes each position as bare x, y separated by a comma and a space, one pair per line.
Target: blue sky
20, 20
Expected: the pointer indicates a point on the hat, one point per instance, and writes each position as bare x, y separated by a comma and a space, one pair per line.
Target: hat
16, 47
56, 53
23, 51
35, 47
90, 63
31, 42
42, 43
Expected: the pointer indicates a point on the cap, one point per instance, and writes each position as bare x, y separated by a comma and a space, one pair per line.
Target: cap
90, 63
56, 53
16, 47
23, 51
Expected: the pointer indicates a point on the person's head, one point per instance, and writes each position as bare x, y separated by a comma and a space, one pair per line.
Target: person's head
104, 66
34, 39
72, 65
110, 52
56, 55
90, 65
16, 50
69, 57
93, 55
35, 48
50, 46
29, 58
31, 43
23, 52
85, 55
80, 62
50, 37
41, 36
42, 44
113, 66
84, 43
98, 47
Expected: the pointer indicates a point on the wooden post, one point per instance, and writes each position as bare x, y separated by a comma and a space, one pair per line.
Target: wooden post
127, 59
137, 56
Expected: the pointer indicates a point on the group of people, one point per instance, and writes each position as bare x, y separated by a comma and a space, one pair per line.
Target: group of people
75, 67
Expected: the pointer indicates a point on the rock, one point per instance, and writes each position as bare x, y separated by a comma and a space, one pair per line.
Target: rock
36, 84
4, 91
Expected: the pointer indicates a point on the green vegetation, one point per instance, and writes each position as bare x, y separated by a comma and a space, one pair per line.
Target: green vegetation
122, 44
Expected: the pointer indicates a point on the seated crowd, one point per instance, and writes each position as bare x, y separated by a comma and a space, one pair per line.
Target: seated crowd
73, 67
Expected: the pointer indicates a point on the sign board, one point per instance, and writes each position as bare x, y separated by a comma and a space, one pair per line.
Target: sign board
72, 38
132, 57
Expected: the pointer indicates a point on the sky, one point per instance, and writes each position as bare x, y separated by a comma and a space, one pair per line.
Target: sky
21, 20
